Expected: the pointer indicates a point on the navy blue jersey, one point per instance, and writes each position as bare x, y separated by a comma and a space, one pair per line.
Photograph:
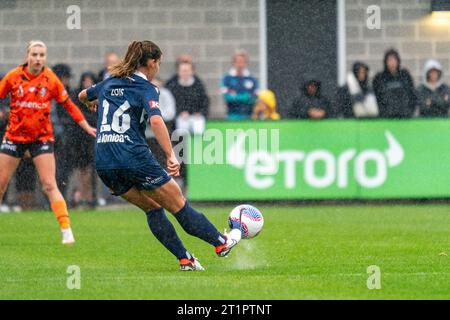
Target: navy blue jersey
124, 107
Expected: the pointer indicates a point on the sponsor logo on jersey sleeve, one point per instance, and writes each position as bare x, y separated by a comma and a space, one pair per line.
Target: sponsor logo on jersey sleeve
153, 104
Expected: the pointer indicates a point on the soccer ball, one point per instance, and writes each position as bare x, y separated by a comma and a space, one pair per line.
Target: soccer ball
246, 218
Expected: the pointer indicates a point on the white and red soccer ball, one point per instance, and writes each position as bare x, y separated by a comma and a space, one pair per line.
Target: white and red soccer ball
248, 219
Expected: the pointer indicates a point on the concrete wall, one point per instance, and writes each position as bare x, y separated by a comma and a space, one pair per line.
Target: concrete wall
405, 25
210, 30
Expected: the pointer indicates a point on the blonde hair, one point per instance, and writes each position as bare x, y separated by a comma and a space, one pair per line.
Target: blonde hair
35, 43
240, 53
137, 55
268, 98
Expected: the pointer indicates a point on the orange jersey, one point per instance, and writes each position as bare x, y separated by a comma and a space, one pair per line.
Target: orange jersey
29, 118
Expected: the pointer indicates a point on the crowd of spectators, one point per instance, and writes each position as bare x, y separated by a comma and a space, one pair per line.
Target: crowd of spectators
391, 95
185, 105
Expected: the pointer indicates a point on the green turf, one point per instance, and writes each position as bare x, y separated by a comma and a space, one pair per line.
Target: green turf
319, 252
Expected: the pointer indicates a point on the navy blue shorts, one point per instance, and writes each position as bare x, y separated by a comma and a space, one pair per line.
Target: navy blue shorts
147, 177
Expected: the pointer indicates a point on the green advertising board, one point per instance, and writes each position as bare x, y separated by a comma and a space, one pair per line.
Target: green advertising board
333, 159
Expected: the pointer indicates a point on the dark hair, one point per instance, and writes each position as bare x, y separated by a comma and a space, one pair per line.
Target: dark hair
85, 75
359, 65
62, 70
395, 54
315, 83
137, 55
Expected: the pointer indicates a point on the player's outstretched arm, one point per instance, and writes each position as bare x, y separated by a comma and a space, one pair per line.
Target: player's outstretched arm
91, 105
78, 117
87, 127
162, 136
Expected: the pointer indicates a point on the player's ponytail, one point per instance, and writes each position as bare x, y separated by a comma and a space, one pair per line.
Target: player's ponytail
137, 55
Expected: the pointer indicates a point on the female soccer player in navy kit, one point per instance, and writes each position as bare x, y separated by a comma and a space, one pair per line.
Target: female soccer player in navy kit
125, 163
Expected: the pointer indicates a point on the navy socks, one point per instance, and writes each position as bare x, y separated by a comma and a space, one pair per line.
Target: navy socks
197, 225
164, 231
192, 221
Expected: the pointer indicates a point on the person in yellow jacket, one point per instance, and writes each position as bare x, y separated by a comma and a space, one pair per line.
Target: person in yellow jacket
265, 107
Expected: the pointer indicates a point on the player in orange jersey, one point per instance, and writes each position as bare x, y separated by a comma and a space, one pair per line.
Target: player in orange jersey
32, 86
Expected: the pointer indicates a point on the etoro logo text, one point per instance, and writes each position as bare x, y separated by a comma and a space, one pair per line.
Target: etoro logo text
261, 167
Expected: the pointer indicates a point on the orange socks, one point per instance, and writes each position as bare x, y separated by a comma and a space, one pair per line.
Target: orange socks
59, 207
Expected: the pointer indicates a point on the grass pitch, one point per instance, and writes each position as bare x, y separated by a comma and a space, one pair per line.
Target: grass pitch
318, 252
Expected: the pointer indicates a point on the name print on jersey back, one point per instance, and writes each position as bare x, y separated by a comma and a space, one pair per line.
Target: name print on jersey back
124, 107
117, 92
